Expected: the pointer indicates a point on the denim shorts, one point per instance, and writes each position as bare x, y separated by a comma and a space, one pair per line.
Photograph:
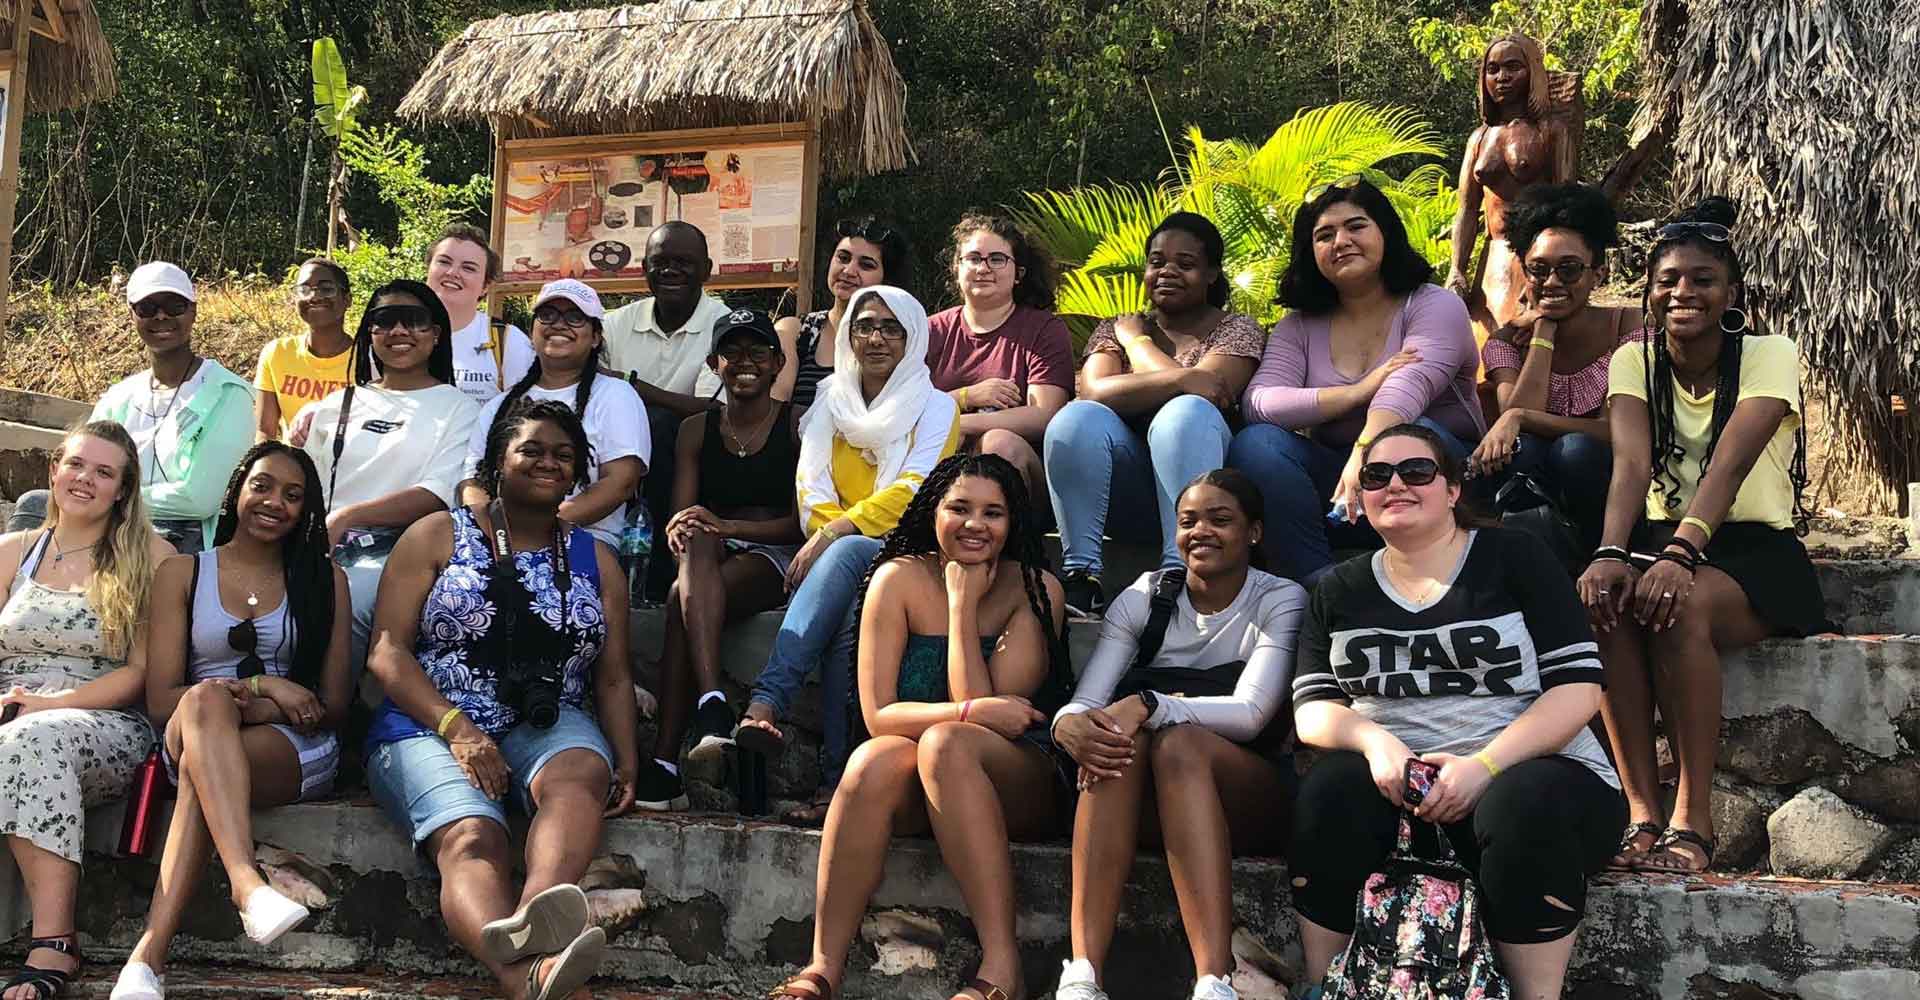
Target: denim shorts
421, 788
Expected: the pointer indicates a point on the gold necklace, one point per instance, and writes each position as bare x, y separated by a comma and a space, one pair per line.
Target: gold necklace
727, 429
1386, 556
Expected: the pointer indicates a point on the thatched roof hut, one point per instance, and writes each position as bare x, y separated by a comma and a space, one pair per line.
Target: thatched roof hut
70, 62
680, 64
1793, 109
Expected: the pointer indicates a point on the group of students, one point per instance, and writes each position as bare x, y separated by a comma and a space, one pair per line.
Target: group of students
433, 498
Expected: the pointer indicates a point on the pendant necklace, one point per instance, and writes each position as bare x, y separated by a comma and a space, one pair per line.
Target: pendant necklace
740, 449
60, 553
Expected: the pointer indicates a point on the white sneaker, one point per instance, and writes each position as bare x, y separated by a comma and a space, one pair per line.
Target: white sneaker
138, 982
268, 915
1077, 982
1214, 988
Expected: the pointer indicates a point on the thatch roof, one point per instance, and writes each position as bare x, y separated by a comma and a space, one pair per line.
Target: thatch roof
1793, 109
67, 74
681, 64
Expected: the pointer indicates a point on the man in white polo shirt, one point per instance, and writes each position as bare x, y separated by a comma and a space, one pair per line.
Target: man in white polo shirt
487, 360
660, 344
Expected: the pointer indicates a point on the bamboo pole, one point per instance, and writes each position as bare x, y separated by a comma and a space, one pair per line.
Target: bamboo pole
16, 112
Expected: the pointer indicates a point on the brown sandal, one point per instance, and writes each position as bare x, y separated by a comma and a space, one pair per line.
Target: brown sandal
822, 990
1629, 856
813, 813
1664, 859
987, 990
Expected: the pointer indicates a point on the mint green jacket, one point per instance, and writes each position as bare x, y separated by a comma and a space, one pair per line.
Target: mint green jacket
212, 430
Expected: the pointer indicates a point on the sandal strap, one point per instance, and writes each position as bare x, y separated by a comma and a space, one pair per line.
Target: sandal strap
987, 990
1680, 835
65, 944
1638, 830
45, 983
823, 990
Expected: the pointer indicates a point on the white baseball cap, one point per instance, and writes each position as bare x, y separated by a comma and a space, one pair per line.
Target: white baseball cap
158, 276
577, 292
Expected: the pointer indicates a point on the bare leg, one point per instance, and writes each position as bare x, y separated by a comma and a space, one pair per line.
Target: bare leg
1628, 711
676, 684
569, 794
879, 794
1021, 453
1197, 772
979, 786
1538, 971
712, 590
1106, 834
275, 769
1322, 945
475, 890
212, 751
52, 883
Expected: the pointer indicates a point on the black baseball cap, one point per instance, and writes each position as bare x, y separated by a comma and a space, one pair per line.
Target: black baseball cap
750, 321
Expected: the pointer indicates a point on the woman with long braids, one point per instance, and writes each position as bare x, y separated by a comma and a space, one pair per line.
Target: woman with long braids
567, 348
1699, 554
962, 658
388, 446
493, 620
247, 677
73, 664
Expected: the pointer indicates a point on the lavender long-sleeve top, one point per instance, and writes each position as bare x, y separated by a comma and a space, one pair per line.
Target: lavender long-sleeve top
1298, 363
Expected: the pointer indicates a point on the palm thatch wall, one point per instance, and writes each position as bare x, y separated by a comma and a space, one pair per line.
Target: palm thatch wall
1804, 113
67, 74
680, 64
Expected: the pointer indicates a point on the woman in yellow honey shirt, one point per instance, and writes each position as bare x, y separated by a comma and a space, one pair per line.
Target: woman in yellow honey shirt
876, 428
298, 370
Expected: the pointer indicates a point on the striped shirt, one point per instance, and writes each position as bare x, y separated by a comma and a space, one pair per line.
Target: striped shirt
1449, 675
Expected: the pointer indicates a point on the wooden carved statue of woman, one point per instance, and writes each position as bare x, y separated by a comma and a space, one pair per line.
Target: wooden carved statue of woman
1529, 134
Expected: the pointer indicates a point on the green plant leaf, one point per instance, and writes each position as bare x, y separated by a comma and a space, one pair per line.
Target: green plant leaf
333, 98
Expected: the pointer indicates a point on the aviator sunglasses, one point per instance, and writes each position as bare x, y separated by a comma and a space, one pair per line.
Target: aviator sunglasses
1412, 471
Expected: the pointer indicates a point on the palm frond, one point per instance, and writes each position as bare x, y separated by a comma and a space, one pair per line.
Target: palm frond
1071, 225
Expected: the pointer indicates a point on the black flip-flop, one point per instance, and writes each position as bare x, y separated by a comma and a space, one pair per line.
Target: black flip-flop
767, 743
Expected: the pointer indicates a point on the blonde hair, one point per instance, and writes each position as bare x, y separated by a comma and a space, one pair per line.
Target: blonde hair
122, 577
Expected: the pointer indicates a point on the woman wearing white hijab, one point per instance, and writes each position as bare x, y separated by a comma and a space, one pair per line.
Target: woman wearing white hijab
876, 428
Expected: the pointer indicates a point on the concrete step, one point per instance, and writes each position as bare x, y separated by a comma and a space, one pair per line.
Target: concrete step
232, 983
727, 905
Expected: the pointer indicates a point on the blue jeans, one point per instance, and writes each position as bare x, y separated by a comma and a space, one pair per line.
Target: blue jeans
1106, 478
1297, 476
30, 512
1577, 467
817, 632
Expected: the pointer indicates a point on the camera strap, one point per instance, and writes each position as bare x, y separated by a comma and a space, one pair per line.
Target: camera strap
503, 555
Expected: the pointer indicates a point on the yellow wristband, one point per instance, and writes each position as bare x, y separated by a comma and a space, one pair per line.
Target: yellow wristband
254, 683
1541, 342
963, 396
445, 721
1702, 525
1362, 444
1493, 770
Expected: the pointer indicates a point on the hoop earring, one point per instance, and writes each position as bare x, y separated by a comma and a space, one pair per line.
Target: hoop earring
1740, 327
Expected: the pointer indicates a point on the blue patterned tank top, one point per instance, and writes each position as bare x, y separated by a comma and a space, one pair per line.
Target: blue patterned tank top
923, 666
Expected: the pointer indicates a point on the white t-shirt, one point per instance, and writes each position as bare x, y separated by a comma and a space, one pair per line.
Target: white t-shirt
473, 369
616, 425
147, 410
394, 440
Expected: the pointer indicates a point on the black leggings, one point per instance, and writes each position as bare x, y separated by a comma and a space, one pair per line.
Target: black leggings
1539, 830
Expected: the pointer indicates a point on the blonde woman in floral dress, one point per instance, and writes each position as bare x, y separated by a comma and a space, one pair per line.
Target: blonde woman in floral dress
72, 666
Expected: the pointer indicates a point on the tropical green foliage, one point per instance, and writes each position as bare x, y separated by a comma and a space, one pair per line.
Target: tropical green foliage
1252, 193
422, 207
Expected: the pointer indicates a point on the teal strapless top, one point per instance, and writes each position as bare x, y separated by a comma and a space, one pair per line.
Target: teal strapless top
923, 666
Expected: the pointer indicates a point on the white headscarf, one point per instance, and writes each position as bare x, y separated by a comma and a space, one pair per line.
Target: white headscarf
882, 429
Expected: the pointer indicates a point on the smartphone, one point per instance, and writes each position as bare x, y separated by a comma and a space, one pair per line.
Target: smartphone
1420, 778
9, 713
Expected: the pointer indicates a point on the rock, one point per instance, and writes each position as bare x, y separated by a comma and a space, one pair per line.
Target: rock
1784, 747
1740, 822
903, 941
295, 877
612, 871
615, 911
1902, 864
1890, 788
645, 701
1818, 835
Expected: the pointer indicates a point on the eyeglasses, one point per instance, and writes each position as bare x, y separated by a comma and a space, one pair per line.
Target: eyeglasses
1569, 271
1412, 471
154, 305
734, 354
1713, 232
246, 640
389, 317
572, 319
994, 261
1346, 183
878, 329
308, 291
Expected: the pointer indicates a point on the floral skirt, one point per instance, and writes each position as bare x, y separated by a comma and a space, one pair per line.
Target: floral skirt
57, 763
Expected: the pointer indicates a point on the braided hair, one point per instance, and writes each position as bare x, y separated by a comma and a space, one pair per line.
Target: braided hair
305, 559
582, 391
1658, 364
517, 413
914, 536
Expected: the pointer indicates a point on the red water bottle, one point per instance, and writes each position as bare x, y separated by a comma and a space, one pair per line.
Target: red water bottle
143, 807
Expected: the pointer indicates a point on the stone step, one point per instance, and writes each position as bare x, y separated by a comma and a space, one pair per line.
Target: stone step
726, 905
234, 983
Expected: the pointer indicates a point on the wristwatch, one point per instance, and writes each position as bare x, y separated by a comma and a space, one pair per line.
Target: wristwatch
1152, 703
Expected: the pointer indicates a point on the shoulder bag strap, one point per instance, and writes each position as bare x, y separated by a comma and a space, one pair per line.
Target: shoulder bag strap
497, 342
339, 438
193, 597
1164, 596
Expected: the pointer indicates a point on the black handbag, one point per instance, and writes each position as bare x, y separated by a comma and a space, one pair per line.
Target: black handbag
1525, 505
1213, 682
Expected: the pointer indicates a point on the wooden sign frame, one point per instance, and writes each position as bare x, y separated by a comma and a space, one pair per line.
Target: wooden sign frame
507, 151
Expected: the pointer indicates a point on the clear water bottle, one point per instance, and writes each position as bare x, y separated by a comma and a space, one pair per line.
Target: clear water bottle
636, 547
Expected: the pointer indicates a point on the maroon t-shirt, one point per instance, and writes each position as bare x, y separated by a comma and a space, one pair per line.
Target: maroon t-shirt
1032, 347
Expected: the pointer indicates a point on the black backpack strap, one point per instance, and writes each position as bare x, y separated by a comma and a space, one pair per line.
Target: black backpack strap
1161, 600
193, 597
339, 438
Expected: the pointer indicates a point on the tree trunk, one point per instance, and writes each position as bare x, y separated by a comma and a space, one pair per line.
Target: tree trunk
336, 181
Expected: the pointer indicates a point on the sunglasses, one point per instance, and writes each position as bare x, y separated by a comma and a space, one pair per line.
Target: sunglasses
1569, 271
1412, 471
1712, 232
152, 306
1346, 183
245, 640
390, 317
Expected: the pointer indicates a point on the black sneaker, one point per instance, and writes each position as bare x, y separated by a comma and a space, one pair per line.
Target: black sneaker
1085, 599
657, 789
713, 724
